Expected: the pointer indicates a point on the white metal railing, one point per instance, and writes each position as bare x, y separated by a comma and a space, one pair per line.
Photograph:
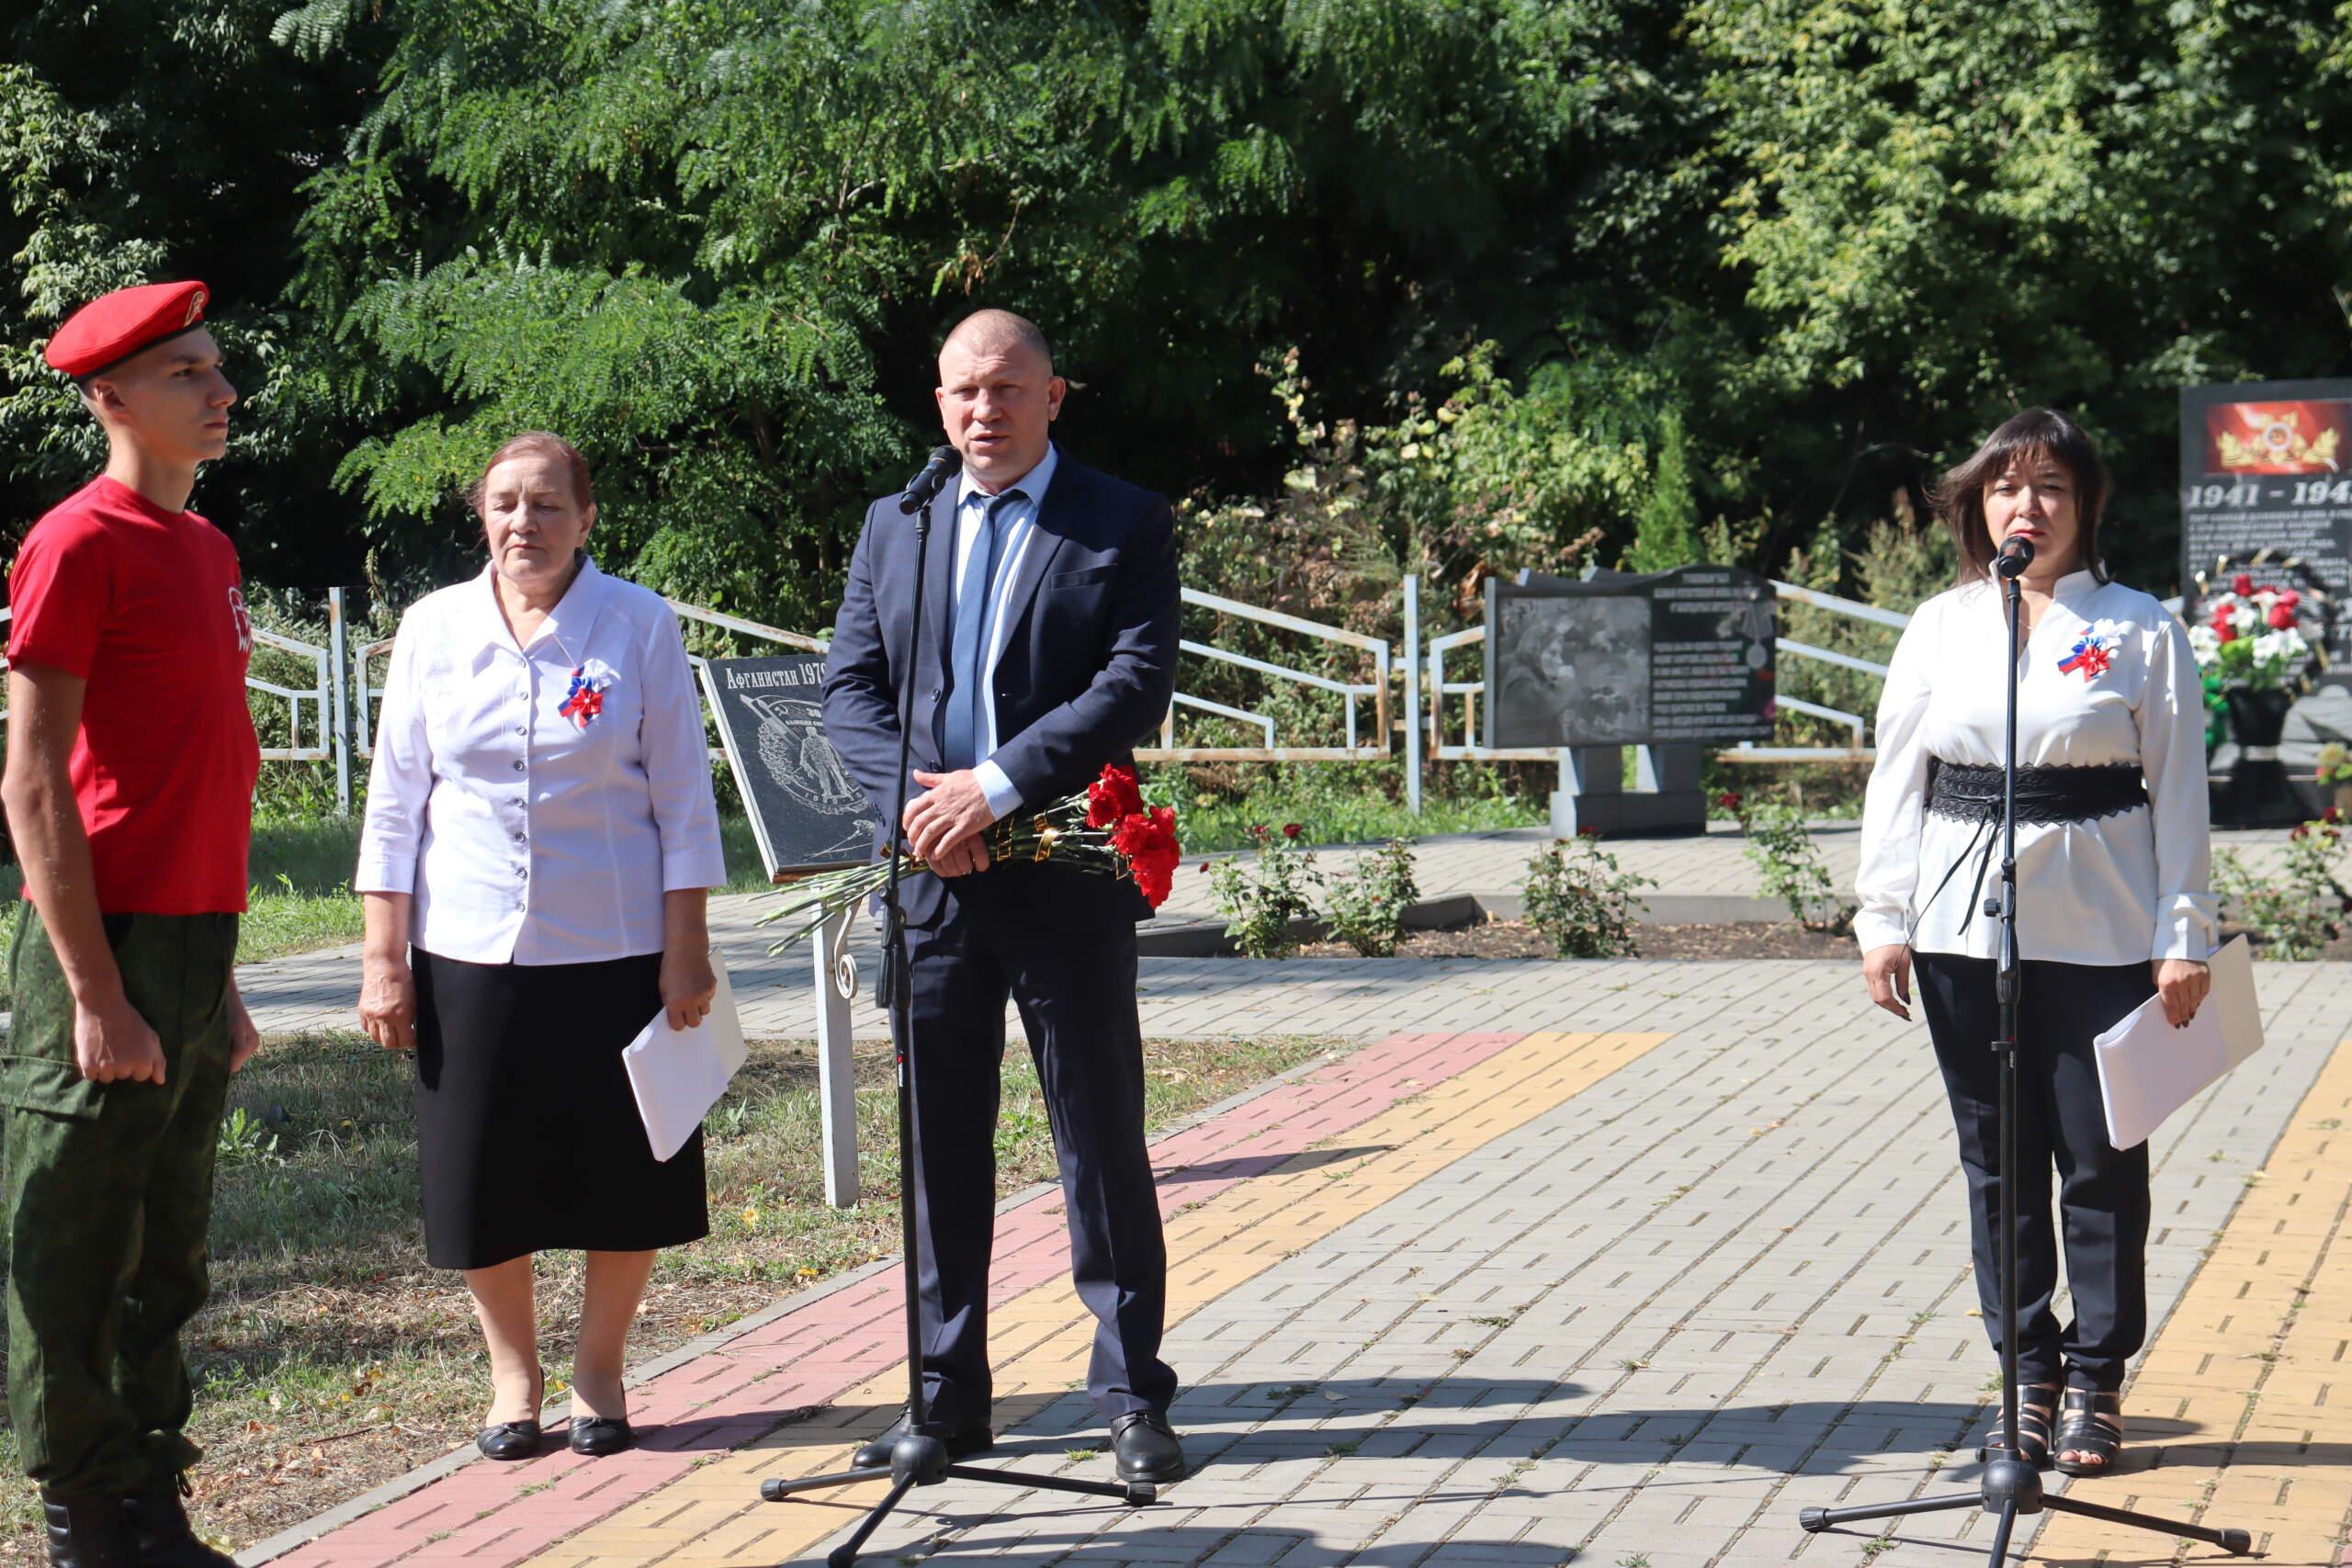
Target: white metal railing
320, 692
367, 694
1469, 693
1349, 693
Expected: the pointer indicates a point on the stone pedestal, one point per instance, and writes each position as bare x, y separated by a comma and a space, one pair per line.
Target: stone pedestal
1665, 802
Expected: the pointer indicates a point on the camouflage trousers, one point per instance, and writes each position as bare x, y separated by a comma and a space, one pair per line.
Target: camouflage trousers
110, 1194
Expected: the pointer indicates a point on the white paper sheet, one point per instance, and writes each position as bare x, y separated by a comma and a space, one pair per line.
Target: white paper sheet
679, 1073
2148, 1069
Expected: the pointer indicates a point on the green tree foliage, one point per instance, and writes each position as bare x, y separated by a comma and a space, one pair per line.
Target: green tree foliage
1943, 213
1803, 251
151, 138
1666, 527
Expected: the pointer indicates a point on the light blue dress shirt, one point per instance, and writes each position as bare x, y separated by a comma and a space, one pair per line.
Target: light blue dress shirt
1019, 521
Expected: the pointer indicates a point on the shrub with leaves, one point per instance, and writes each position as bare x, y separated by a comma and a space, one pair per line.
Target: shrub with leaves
1789, 864
1367, 904
1260, 893
2297, 910
1581, 903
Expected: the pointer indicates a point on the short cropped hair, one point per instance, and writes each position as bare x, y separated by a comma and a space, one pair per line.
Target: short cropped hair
994, 326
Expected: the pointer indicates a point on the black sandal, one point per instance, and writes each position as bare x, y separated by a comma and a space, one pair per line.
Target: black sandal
2092, 1423
2033, 1429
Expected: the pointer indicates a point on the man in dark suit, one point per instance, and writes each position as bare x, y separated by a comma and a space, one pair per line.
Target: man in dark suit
1048, 648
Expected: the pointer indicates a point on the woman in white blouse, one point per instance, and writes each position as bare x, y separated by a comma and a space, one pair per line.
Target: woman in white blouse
2113, 903
541, 838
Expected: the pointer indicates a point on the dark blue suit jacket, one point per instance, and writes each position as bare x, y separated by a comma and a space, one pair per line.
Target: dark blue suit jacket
1089, 653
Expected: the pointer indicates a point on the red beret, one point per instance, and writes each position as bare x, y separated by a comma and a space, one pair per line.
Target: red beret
113, 327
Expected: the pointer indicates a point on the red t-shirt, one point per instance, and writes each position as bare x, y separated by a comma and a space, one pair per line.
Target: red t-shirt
147, 606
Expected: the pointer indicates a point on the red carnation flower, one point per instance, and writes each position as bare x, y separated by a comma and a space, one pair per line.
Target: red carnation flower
1146, 840
2299, 831
2331, 815
1112, 796
2282, 616
1292, 830
2242, 583
1728, 800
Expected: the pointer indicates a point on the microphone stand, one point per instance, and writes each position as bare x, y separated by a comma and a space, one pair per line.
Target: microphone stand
920, 1456
2010, 1486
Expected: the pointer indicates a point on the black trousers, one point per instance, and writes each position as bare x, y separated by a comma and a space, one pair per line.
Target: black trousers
2103, 1201
1061, 944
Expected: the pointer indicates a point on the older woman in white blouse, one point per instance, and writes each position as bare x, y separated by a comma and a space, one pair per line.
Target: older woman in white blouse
539, 843
2113, 903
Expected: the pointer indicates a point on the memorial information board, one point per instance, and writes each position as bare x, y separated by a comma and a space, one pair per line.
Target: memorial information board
2269, 464
1629, 660
807, 812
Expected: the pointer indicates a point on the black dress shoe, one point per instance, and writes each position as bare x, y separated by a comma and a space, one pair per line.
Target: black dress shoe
963, 1442
1147, 1448
159, 1523
509, 1439
597, 1436
88, 1532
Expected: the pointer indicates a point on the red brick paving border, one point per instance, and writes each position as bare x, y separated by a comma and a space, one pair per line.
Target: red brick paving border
496, 1516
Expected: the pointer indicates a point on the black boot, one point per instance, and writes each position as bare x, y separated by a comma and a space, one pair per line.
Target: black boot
88, 1532
159, 1523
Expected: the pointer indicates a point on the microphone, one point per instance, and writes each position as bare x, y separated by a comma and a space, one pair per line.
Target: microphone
2016, 556
942, 466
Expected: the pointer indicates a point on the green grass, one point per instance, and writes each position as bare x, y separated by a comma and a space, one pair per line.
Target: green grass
333, 1359
1339, 803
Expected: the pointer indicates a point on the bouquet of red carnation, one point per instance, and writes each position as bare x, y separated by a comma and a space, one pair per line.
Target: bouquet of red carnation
1106, 828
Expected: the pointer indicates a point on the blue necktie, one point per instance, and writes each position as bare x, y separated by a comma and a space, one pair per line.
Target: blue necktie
974, 605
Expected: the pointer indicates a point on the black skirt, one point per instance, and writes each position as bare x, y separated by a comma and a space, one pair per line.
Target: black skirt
528, 1137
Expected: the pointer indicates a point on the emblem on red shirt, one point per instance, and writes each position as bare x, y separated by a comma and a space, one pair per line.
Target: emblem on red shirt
239, 619
585, 699
2094, 652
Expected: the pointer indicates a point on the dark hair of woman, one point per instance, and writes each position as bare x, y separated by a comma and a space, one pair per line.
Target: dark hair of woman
2036, 433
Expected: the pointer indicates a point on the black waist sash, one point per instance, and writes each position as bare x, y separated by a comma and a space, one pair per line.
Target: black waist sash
2052, 792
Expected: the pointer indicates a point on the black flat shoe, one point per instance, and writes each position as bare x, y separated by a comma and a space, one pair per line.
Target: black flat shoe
597, 1436
1147, 1448
963, 1442
510, 1440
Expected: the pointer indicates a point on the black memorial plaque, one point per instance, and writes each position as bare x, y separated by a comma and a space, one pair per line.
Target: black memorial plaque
1630, 660
807, 812
2268, 464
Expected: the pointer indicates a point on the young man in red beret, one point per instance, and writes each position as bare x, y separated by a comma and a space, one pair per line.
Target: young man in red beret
129, 789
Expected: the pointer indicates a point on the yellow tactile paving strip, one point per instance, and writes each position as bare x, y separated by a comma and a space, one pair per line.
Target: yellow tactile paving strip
1042, 1338
2244, 1404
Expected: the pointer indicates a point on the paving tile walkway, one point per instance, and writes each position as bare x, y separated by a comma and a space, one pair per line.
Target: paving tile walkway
1597, 1261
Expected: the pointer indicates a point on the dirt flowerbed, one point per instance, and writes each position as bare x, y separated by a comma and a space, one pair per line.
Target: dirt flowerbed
331, 1358
1728, 940
1514, 939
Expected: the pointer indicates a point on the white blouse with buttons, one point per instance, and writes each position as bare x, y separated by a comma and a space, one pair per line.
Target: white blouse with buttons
525, 834
2120, 889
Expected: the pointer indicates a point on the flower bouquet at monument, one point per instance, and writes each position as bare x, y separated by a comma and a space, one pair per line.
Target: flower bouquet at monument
2252, 635
1106, 828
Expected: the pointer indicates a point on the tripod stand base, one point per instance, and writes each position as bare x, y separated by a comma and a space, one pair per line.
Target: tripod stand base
920, 1458
2012, 1488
